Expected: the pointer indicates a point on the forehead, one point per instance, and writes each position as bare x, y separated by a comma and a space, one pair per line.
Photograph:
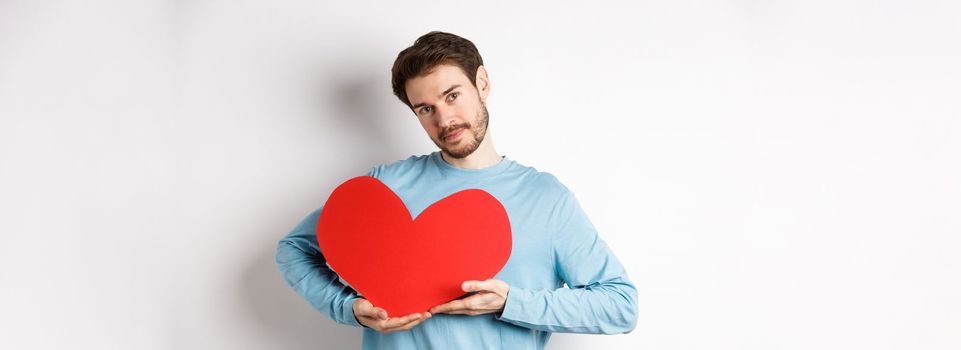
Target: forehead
441, 78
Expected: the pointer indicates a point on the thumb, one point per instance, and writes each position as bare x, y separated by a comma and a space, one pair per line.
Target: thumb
478, 286
363, 306
368, 309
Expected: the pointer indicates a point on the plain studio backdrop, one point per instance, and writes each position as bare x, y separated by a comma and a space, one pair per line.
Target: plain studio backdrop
773, 174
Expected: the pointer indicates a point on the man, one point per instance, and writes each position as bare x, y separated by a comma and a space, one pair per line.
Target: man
442, 79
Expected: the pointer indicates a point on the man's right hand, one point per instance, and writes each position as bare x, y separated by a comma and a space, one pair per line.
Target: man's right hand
376, 318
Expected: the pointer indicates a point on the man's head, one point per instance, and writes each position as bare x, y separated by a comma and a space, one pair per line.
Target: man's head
442, 79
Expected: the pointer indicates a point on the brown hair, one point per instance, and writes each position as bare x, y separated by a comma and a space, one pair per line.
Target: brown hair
429, 51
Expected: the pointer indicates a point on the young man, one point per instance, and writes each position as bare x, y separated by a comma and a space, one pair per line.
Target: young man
442, 79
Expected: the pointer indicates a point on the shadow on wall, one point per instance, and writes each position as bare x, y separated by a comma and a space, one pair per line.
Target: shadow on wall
288, 321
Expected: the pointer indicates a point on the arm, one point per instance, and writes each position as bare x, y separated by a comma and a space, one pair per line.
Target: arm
599, 298
305, 271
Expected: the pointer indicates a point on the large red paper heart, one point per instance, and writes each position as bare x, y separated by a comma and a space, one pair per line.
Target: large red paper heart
406, 265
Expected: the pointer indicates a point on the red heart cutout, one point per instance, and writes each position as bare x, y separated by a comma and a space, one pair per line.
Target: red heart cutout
406, 265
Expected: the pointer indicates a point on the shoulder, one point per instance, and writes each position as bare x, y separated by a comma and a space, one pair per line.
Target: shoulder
552, 197
542, 181
399, 167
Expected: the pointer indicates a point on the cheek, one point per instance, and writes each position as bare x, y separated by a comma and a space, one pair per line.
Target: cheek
431, 129
465, 112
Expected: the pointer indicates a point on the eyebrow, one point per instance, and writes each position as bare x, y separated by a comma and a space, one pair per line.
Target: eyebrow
419, 105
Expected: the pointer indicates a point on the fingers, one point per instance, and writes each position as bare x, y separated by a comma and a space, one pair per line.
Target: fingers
490, 285
376, 318
400, 321
366, 309
451, 307
473, 305
405, 323
478, 286
477, 304
398, 324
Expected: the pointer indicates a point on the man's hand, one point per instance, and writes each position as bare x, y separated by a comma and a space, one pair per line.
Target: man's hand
490, 297
376, 318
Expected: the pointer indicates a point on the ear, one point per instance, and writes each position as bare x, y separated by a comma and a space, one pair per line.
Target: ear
483, 83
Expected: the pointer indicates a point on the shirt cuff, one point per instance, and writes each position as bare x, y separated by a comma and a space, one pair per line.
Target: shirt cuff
514, 306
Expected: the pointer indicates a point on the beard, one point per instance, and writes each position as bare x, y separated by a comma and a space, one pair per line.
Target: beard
465, 146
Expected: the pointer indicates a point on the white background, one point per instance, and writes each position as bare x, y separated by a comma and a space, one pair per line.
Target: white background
774, 174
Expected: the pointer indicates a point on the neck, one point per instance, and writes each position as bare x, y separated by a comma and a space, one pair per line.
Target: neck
483, 157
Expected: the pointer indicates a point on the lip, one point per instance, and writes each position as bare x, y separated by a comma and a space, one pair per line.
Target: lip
454, 136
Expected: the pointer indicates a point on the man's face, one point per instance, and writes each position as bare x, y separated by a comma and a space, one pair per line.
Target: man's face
451, 110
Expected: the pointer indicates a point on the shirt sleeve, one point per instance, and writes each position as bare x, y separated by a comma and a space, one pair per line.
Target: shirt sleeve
599, 297
305, 270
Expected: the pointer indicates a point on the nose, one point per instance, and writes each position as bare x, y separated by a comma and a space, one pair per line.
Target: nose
445, 116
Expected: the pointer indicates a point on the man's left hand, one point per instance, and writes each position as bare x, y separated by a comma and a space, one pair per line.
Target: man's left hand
489, 298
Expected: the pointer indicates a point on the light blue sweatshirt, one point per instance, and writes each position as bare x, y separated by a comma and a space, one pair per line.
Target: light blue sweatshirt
554, 244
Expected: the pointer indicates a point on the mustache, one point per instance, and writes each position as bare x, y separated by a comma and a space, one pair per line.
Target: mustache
453, 128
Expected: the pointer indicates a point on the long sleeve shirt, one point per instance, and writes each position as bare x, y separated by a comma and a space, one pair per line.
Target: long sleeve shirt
563, 277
